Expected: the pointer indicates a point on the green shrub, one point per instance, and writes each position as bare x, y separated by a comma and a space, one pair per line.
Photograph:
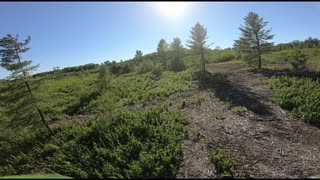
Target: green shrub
297, 59
223, 162
239, 109
198, 100
299, 95
146, 66
49, 149
130, 145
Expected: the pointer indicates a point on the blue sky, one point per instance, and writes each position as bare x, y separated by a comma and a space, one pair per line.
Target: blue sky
75, 33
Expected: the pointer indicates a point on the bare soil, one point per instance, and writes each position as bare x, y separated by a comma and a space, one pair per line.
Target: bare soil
264, 141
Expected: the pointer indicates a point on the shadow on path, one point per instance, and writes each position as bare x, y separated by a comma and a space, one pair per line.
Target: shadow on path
236, 95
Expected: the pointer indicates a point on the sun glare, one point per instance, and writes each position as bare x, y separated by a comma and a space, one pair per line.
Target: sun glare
172, 10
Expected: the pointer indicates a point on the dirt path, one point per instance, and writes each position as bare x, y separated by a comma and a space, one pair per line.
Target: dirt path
264, 141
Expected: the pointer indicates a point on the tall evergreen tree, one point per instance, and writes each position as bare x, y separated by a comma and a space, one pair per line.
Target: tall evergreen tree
162, 50
198, 42
102, 80
11, 60
176, 48
138, 56
254, 38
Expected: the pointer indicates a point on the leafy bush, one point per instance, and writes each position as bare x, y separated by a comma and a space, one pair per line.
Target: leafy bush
222, 161
297, 59
124, 145
239, 109
177, 64
131, 145
49, 149
146, 66
157, 71
300, 95
198, 100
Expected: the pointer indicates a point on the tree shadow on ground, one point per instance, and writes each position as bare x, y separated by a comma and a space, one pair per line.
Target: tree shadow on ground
84, 100
236, 95
280, 72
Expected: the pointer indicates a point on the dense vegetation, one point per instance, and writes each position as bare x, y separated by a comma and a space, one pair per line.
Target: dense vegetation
125, 144
300, 95
120, 137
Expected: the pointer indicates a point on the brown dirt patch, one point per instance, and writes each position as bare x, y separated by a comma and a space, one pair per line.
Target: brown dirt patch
264, 141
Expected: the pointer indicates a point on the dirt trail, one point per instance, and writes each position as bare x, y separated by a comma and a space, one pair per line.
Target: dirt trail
264, 141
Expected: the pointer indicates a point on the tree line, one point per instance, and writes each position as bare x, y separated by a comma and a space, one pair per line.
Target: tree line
310, 42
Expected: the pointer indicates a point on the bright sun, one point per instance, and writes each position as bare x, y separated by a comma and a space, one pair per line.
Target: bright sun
172, 10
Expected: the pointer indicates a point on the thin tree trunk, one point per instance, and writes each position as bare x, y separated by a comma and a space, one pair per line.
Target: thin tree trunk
38, 109
202, 60
259, 65
33, 98
178, 54
259, 52
164, 62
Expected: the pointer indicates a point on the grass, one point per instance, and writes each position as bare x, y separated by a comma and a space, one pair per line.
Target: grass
126, 144
239, 109
219, 115
37, 176
231, 62
198, 100
114, 142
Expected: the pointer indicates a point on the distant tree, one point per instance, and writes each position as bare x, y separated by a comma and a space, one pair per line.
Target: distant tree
138, 56
162, 51
102, 78
11, 60
176, 49
311, 42
297, 44
217, 48
198, 42
107, 62
157, 70
56, 68
114, 67
254, 39
125, 68
145, 66
297, 59
177, 64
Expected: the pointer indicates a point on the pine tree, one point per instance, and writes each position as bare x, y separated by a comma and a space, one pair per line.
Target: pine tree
254, 38
176, 48
102, 81
10, 54
198, 42
138, 56
162, 50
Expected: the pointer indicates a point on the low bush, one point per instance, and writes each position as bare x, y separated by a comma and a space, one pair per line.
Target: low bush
299, 95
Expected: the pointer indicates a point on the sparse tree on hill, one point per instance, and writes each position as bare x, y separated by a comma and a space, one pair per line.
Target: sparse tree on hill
198, 42
138, 56
254, 38
102, 80
162, 50
11, 60
176, 48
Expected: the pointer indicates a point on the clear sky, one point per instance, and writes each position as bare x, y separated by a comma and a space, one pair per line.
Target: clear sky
75, 33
